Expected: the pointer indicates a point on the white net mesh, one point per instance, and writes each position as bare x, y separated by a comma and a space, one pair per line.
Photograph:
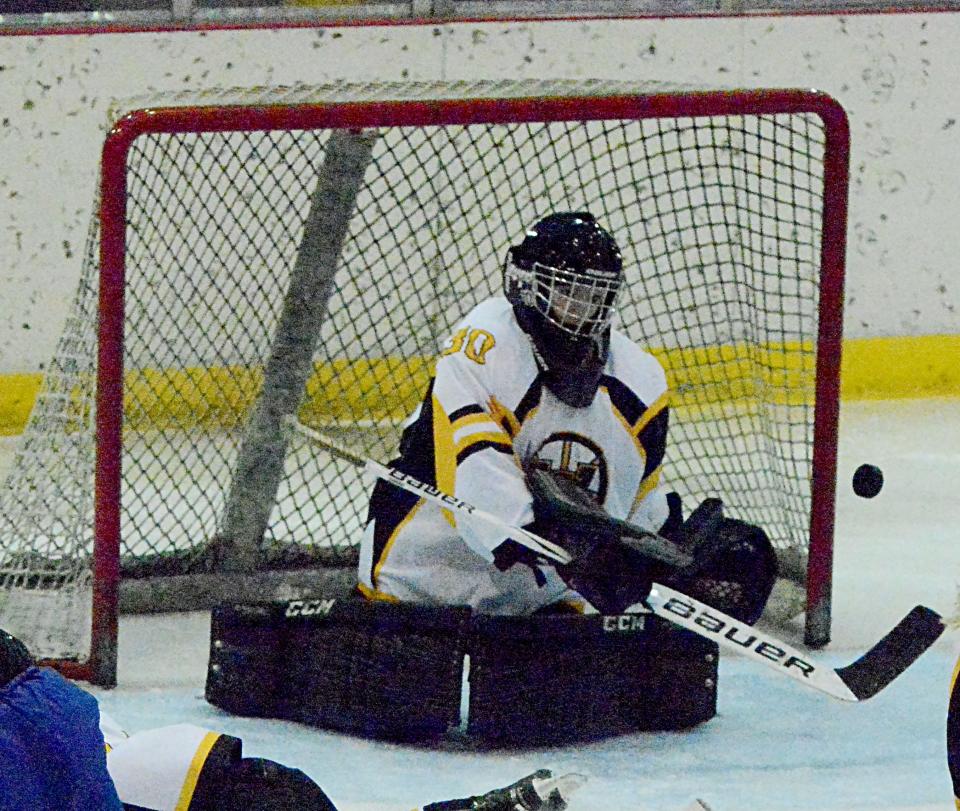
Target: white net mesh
719, 219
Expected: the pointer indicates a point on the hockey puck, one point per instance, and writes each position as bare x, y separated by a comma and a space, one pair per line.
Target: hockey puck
867, 481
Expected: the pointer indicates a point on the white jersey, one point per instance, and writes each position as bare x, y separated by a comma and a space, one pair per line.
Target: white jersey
485, 416
172, 768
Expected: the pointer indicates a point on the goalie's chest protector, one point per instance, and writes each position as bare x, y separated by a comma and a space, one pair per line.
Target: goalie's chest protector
612, 448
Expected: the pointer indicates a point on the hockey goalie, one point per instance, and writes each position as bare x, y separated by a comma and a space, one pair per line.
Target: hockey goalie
543, 415
538, 404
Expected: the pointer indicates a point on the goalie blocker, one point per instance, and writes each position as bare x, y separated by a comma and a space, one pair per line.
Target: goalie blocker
409, 672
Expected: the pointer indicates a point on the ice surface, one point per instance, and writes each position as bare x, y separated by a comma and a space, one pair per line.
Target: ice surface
773, 745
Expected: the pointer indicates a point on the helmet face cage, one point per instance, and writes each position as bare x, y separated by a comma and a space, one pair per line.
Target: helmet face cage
578, 302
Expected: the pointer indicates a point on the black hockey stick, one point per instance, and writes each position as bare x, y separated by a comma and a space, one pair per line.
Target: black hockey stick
858, 681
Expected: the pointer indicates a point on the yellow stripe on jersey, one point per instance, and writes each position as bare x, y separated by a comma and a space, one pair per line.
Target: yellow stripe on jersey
496, 437
473, 421
470, 419
444, 455
646, 486
389, 544
504, 417
193, 771
652, 410
629, 429
374, 594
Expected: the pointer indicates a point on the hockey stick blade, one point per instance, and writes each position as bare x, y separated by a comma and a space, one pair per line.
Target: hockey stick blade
856, 682
893, 654
866, 677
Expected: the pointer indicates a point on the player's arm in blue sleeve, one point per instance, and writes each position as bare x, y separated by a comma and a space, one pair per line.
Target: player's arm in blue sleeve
52, 753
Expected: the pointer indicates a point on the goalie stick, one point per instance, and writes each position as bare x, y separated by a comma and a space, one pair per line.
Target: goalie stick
858, 681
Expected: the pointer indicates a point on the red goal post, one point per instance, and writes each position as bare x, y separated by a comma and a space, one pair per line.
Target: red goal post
388, 209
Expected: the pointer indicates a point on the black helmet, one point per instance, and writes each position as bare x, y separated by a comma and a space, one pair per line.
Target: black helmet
568, 270
563, 281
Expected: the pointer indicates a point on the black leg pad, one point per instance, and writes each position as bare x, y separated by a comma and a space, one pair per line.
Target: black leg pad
377, 669
396, 671
541, 680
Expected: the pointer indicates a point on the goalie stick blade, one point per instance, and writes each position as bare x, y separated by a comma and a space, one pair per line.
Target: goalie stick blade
893, 654
864, 678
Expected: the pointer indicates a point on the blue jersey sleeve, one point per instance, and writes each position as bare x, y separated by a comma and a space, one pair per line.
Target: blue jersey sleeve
52, 753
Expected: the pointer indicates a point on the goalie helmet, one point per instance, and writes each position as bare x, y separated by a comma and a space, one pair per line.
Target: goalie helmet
568, 270
563, 281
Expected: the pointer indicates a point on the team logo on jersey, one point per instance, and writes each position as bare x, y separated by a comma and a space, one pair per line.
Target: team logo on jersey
576, 458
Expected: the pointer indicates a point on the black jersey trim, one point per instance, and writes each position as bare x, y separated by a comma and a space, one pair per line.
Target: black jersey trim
653, 437
460, 413
953, 732
476, 447
530, 399
624, 399
389, 506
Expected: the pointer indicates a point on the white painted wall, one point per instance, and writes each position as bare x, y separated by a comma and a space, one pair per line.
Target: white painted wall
896, 74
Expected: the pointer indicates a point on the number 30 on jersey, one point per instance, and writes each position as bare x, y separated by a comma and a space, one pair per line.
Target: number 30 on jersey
474, 343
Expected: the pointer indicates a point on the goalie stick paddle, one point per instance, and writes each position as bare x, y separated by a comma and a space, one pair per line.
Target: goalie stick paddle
858, 681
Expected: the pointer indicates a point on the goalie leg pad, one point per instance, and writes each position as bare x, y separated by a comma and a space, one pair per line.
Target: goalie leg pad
395, 671
243, 672
545, 679
378, 669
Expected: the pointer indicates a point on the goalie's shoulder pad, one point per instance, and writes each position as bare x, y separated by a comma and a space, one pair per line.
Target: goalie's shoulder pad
486, 360
636, 368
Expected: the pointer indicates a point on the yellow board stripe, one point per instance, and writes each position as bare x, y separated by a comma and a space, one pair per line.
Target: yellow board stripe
193, 771
390, 388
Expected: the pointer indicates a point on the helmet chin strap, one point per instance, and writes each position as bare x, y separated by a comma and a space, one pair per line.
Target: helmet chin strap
570, 370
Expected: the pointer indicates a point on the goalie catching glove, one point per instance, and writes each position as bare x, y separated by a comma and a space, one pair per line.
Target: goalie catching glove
724, 562
606, 570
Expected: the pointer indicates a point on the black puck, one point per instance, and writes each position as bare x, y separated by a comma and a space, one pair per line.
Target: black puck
867, 481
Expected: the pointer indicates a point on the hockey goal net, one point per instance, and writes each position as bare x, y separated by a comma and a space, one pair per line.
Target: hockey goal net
308, 249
